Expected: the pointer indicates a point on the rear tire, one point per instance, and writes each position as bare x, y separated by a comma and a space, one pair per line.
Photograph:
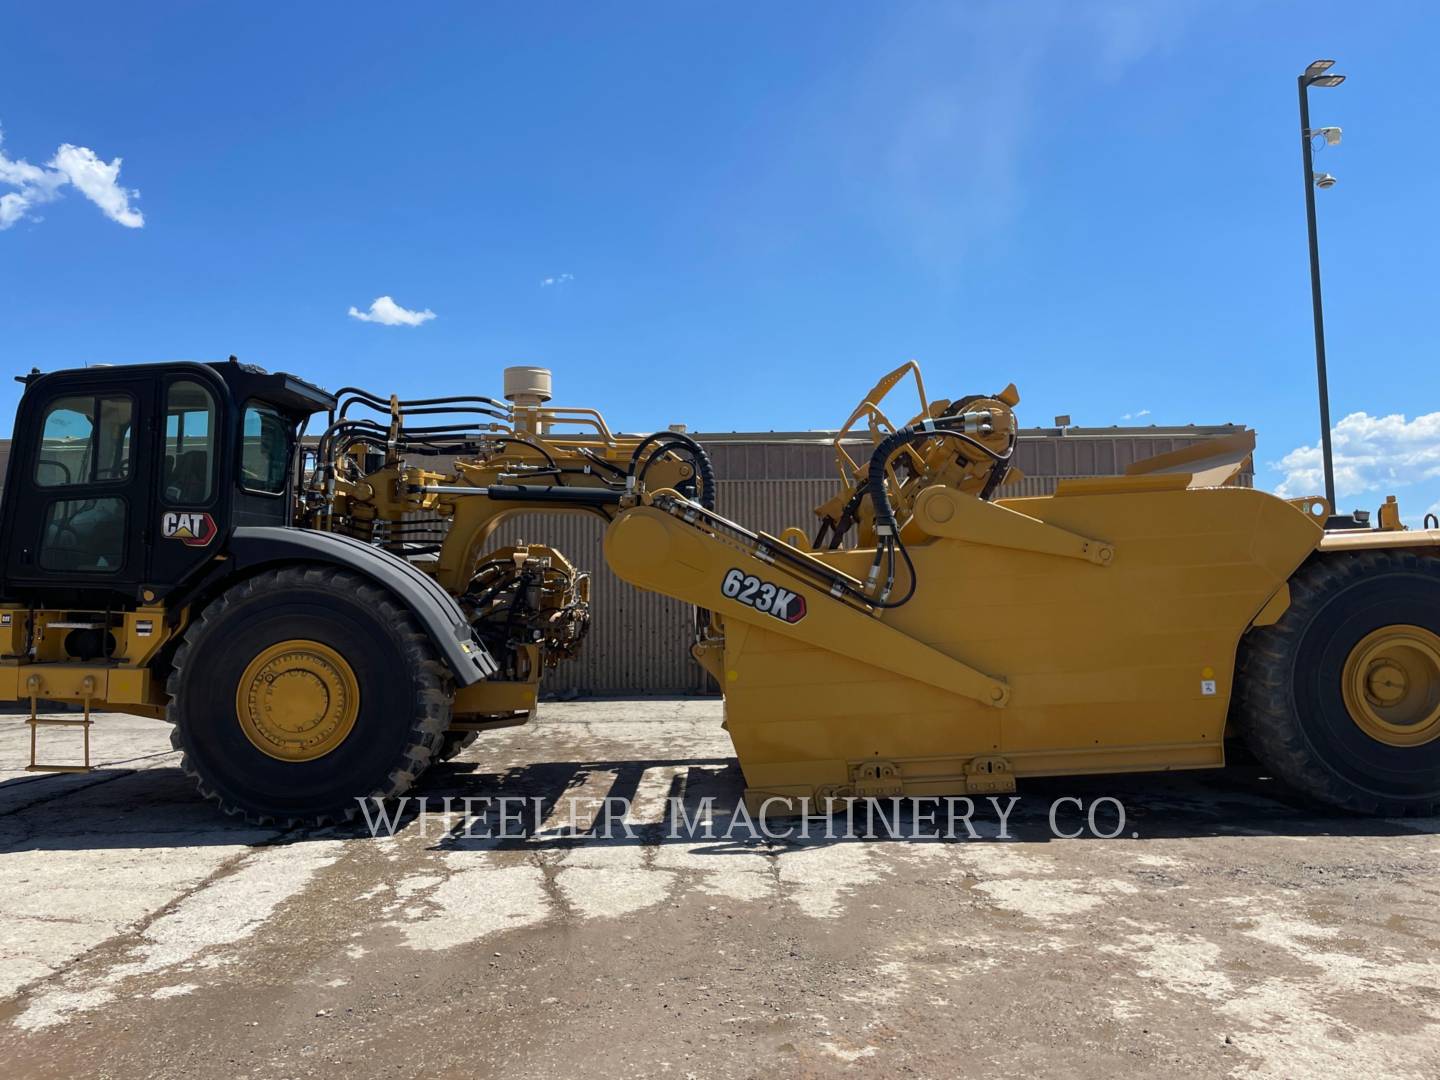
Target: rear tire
302, 690
1314, 694
455, 743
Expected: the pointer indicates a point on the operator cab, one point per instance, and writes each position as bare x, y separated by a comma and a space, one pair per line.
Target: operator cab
123, 482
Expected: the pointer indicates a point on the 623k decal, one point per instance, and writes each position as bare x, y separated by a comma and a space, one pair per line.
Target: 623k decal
763, 596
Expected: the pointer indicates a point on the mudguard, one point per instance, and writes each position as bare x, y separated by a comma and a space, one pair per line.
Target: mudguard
255, 546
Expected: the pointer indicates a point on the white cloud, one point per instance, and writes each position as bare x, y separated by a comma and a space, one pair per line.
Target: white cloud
98, 182
20, 173
13, 207
33, 186
75, 165
558, 279
1373, 456
386, 312
1136, 415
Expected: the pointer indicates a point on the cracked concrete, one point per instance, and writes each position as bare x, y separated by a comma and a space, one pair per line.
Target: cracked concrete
1238, 933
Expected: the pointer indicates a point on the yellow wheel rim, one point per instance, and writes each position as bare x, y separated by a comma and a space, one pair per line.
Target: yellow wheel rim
1391, 685
297, 700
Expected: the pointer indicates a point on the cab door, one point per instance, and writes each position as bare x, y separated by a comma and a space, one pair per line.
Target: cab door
190, 494
78, 497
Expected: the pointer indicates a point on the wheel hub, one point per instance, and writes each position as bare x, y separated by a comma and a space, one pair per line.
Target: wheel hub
1386, 683
1391, 685
297, 700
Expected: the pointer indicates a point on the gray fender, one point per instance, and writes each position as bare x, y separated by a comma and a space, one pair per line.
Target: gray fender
253, 546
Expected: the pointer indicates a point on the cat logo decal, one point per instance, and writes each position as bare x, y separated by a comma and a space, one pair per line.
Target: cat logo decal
193, 528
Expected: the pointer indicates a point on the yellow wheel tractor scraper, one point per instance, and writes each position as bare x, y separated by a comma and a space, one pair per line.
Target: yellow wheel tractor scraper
321, 625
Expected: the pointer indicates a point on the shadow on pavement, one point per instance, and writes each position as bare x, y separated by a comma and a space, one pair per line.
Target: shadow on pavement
1236, 801
157, 807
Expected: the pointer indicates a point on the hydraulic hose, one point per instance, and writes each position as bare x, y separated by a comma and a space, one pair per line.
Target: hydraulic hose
875, 485
887, 529
841, 526
666, 440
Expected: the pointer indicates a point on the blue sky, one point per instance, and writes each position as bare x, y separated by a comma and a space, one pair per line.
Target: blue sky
737, 215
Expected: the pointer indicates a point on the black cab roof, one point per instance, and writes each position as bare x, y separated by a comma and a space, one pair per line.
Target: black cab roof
289, 392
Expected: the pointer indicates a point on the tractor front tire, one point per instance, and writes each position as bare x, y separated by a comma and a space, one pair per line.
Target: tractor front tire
1341, 697
302, 691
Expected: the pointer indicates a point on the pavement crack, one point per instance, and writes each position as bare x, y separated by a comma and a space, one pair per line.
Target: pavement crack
128, 938
550, 883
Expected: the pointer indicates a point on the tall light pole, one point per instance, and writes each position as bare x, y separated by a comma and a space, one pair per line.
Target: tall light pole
1317, 74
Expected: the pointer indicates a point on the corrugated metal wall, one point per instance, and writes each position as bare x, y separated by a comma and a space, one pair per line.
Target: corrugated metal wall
1091, 454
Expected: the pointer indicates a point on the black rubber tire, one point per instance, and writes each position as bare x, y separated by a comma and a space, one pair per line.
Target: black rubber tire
454, 743
1290, 707
405, 696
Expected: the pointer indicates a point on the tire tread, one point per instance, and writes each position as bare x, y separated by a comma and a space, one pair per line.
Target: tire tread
1266, 713
430, 716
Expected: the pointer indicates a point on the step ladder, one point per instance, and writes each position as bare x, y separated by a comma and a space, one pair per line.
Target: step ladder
37, 721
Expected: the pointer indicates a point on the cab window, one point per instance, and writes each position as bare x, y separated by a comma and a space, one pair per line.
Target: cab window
84, 440
86, 534
189, 443
264, 449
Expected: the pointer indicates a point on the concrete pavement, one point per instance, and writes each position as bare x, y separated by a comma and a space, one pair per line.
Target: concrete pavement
1228, 930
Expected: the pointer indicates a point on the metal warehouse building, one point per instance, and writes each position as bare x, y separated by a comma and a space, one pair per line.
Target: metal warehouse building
639, 643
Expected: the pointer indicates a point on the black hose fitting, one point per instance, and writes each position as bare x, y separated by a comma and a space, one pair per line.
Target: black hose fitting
666, 440
880, 498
